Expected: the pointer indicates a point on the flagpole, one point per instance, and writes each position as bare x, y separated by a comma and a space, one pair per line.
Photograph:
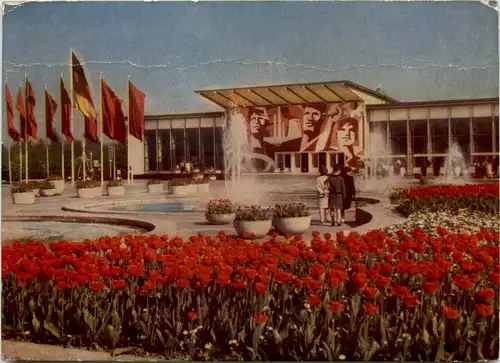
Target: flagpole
114, 151
10, 165
21, 146
47, 144
129, 172
102, 133
26, 128
71, 116
62, 137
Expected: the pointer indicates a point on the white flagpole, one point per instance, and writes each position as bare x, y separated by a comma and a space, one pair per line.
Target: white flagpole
21, 148
102, 133
26, 128
62, 136
71, 116
47, 144
129, 171
10, 165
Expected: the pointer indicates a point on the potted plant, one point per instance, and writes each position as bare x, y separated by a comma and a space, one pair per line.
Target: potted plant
47, 189
23, 194
181, 187
210, 173
155, 186
177, 170
202, 185
220, 211
293, 218
88, 188
197, 176
35, 186
253, 221
58, 183
116, 188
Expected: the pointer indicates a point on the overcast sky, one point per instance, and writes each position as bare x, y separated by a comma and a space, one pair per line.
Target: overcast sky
416, 51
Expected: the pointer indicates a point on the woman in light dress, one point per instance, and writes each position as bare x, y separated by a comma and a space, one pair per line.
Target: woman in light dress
322, 187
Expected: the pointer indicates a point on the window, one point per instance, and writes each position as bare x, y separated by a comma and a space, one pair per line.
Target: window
439, 136
481, 134
164, 159
178, 146
314, 160
418, 136
150, 146
219, 148
207, 147
399, 137
192, 141
460, 133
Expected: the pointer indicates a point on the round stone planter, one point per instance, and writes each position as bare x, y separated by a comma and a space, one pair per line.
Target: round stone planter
258, 228
196, 170
155, 188
198, 177
59, 184
212, 177
23, 198
220, 219
116, 191
48, 192
203, 188
177, 171
89, 192
181, 190
295, 225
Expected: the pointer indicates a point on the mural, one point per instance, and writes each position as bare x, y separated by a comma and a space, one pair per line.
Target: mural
322, 127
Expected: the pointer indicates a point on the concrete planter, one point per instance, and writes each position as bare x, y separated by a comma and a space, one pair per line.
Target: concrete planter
177, 171
59, 184
295, 225
203, 188
198, 177
116, 191
23, 198
212, 177
89, 192
181, 190
220, 219
155, 188
196, 170
258, 228
48, 192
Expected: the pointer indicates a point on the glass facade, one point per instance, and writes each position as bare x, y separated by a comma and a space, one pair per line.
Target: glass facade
411, 134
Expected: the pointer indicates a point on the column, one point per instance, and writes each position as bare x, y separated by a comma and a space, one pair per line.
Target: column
493, 133
450, 137
409, 151
471, 131
327, 161
309, 160
156, 145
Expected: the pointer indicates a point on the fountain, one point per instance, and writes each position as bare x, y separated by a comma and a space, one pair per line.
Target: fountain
381, 177
456, 170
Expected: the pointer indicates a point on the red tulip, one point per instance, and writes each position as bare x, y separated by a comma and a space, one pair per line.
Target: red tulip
370, 292
486, 294
192, 315
371, 309
260, 318
450, 312
483, 310
314, 300
336, 307
430, 287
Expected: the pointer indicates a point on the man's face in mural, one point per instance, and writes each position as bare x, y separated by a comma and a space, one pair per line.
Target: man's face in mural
346, 134
311, 119
258, 122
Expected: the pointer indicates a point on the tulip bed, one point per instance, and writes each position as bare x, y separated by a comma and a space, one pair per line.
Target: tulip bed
410, 296
474, 197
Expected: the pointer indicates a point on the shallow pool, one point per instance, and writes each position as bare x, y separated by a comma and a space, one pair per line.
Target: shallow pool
170, 207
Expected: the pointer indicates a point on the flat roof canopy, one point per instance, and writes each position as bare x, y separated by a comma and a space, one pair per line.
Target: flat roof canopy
281, 95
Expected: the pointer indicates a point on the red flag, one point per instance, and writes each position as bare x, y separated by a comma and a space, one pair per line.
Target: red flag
13, 133
66, 113
22, 113
113, 119
120, 131
31, 126
90, 132
136, 111
50, 111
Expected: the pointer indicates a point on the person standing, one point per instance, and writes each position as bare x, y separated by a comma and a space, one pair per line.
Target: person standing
350, 189
337, 193
322, 190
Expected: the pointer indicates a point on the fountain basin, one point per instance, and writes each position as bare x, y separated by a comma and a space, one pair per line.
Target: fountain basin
51, 228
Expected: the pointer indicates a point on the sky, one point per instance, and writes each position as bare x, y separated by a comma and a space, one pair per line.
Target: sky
415, 51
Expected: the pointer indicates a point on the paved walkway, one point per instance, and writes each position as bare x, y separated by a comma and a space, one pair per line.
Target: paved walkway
272, 189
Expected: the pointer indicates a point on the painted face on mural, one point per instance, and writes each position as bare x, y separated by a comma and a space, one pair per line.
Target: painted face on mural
259, 119
311, 119
346, 133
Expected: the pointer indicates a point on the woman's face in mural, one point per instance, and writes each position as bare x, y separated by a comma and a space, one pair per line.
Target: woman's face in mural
346, 134
311, 118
